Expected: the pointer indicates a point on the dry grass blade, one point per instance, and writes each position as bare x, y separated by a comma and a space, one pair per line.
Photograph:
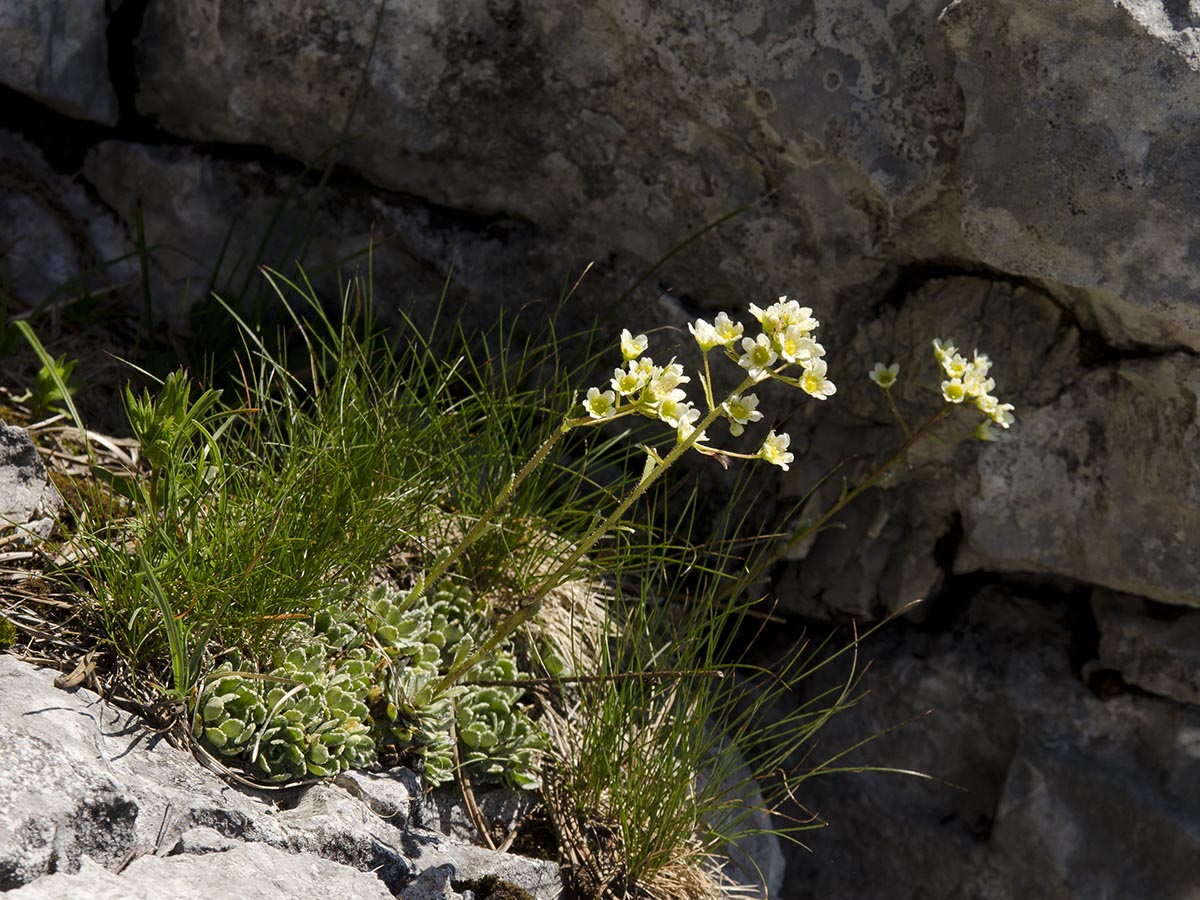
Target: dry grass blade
466, 789
574, 621
110, 452
591, 833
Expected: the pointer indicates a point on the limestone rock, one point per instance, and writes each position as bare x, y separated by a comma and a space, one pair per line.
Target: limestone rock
83, 781
539, 878
56, 51
1040, 788
435, 883
1094, 482
252, 871
1079, 154
1154, 647
414, 251
54, 238
636, 122
866, 138
1100, 485
82, 778
883, 554
501, 808
29, 503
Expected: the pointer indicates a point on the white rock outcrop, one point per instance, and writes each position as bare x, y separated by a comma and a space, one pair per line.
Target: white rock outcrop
89, 796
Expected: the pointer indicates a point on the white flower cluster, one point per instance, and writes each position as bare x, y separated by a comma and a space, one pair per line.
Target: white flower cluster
643, 387
786, 339
640, 386
968, 379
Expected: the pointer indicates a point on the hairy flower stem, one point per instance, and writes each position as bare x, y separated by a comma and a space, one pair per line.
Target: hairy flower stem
476, 530
533, 603
896, 412
773, 557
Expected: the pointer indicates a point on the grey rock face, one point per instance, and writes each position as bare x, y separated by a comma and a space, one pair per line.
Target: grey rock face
1079, 154
435, 883
973, 132
413, 251
1155, 648
253, 871
636, 122
56, 51
1101, 485
882, 555
28, 501
1095, 482
84, 782
1043, 789
52, 233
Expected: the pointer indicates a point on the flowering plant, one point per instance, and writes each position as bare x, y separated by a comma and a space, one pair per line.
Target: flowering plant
641, 387
422, 664
784, 351
964, 380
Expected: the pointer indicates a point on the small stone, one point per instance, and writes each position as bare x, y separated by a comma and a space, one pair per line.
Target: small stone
1154, 647
56, 51
29, 503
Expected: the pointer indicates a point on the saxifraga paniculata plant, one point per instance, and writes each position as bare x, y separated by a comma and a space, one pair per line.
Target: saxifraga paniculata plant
430, 675
357, 683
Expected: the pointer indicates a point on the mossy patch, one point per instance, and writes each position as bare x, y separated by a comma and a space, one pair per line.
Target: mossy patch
8, 633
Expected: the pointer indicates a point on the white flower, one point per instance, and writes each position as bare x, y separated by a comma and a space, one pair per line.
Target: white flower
884, 376
784, 314
600, 405
813, 381
1000, 413
665, 379
774, 450
741, 410
685, 431
705, 334
1003, 415
631, 346
727, 330
987, 404
975, 381
954, 391
768, 318
793, 315
970, 380
758, 357
675, 410
954, 365
945, 349
796, 346
628, 381
643, 368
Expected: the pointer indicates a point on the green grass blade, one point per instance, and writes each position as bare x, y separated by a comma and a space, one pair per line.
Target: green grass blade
51, 367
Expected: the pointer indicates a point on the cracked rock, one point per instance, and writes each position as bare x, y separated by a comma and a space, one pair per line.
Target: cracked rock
88, 797
29, 503
56, 51
1154, 647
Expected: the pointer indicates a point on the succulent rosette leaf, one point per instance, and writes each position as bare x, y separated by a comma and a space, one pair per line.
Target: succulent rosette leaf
359, 679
